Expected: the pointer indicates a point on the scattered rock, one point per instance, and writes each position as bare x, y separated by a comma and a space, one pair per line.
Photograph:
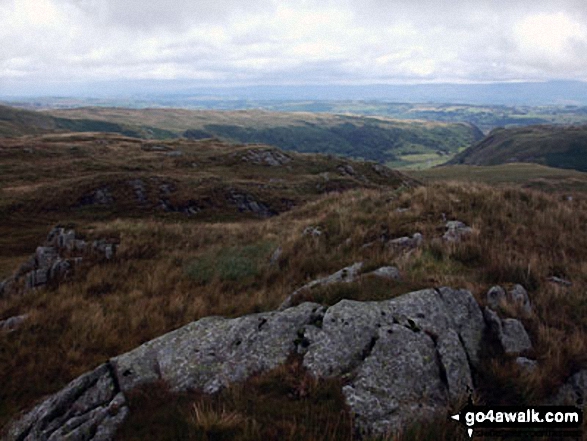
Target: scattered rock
517, 296
345, 275
139, 188
455, 230
381, 170
104, 247
401, 210
174, 153
560, 281
12, 323
496, 297
274, 259
573, 392
272, 158
526, 363
312, 231
510, 333
406, 242
155, 148
247, 203
386, 272
100, 196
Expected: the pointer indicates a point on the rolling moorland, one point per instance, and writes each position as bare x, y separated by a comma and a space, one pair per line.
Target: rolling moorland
398, 143
196, 226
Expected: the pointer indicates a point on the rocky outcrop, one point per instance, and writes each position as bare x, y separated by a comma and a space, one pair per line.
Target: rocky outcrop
516, 297
247, 203
573, 392
411, 356
12, 323
273, 158
406, 242
455, 231
509, 332
55, 259
91, 407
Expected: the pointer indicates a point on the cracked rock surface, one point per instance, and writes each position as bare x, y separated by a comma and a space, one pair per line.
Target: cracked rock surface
407, 357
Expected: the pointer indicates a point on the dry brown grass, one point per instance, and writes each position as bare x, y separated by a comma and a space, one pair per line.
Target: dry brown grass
158, 281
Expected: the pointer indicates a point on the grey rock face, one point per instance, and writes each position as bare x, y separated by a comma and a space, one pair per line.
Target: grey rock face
387, 272
12, 323
407, 358
510, 333
100, 196
345, 275
386, 393
573, 392
90, 408
212, 353
455, 230
526, 363
519, 296
496, 296
247, 203
406, 242
312, 231
272, 158
139, 189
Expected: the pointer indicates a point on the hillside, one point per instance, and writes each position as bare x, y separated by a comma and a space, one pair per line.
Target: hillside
525, 175
372, 138
18, 122
554, 146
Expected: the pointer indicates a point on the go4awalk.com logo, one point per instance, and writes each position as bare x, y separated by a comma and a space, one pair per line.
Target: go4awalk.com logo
539, 420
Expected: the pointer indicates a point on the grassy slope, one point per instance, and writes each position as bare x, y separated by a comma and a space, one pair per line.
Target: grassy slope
172, 269
18, 122
564, 147
374, 138
535, 176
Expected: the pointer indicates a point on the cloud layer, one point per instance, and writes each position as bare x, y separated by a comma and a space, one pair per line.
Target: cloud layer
231, 42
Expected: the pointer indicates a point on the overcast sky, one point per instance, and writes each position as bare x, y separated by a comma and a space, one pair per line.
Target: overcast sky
242, 42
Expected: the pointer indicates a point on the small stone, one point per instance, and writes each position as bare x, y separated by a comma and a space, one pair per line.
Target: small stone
496, 296
387, 272
526, 363
519, 296
560, 281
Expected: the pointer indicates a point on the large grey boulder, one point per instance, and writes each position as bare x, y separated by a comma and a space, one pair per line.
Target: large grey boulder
406, 359
573, 392
509, 333
90, 408
214, 352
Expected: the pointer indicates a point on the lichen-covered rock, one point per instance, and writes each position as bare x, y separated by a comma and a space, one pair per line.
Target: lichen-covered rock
269, 157
519, 296
406, 359
496, 297
407, 242
90, 408
12, 323
455, 230
399, 380
345, 275
212, 353
573, 392
348, 332
510, 333
386, 272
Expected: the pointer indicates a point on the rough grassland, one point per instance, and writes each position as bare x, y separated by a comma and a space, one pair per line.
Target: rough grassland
155, 285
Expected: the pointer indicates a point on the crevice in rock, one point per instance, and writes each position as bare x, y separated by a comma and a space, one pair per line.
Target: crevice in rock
369, 348
114, 377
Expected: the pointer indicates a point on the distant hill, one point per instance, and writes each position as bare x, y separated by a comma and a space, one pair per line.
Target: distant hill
372, 138
554, 146
19, 122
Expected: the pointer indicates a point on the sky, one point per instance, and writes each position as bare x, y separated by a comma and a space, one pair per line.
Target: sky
45, 44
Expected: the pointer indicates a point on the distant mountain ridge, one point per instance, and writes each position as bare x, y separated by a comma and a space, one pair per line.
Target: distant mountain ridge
554, 146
